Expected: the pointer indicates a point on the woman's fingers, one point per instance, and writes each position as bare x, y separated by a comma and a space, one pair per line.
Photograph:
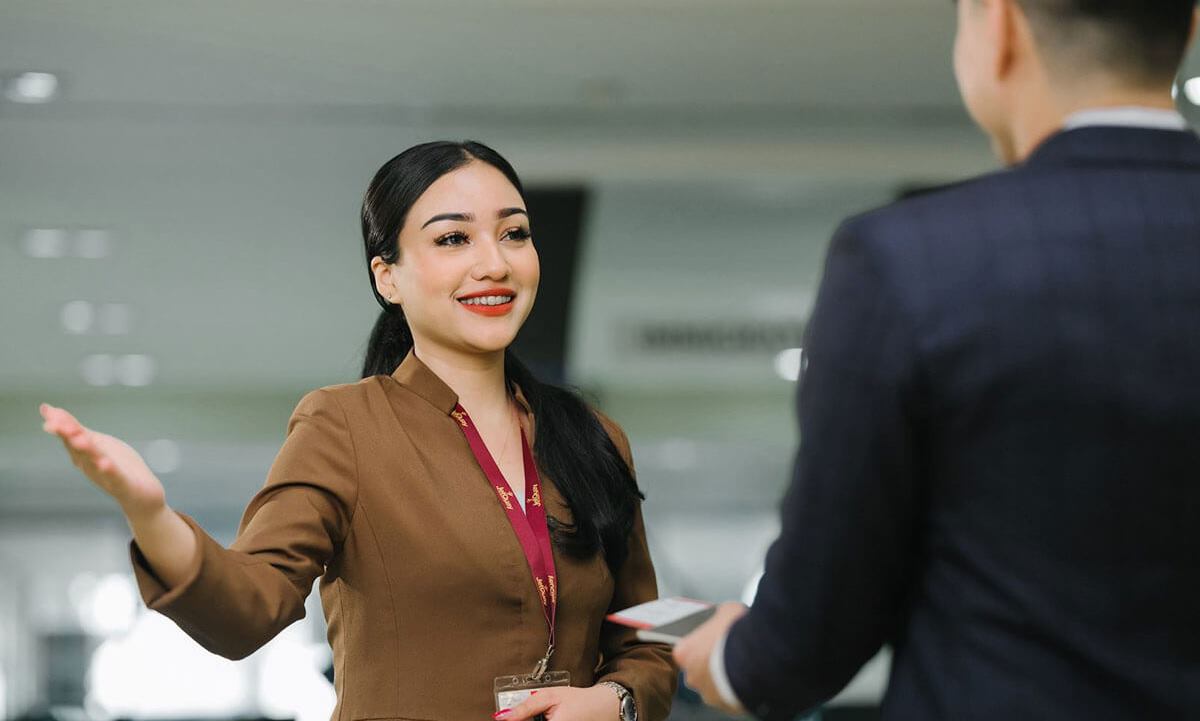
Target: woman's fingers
68, 422
66, 426
58, 421
79, 441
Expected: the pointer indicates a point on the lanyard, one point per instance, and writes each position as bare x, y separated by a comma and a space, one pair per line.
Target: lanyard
530, 526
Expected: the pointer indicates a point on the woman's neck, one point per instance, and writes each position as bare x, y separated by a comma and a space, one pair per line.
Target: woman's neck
476, 378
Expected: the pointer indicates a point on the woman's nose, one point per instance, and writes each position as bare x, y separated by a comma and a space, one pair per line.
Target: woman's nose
490, 263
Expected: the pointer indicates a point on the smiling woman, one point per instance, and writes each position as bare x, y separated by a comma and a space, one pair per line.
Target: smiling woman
445, 230
471, 526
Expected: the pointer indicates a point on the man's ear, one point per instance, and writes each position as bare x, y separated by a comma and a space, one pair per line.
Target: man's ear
1004, 20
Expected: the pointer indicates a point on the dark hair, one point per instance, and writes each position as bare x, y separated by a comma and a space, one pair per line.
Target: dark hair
571, 446
1143, 40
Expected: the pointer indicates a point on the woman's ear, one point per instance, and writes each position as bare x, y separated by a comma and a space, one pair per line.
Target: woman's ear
385, 279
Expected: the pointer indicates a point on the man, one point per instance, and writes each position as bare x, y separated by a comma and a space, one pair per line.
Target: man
1000, 467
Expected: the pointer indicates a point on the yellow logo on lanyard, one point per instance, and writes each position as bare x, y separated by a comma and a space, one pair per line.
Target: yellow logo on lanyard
505, 497
536, 498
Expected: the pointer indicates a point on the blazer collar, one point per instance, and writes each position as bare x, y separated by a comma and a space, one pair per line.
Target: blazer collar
414, 375
418, 378
1118, 145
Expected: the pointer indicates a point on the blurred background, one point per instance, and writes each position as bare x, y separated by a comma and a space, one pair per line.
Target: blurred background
180, 263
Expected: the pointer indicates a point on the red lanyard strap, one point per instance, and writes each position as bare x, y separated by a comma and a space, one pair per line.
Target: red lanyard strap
530, 526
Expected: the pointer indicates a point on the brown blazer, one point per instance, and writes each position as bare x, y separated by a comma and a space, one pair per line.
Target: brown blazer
427, 593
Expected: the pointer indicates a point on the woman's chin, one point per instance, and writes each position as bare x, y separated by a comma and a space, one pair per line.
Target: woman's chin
487, 343
484, 336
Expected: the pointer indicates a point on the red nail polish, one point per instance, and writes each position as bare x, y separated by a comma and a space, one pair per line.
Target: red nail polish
501, 713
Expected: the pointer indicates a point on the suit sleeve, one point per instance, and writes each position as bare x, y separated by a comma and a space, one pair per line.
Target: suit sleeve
836, 579
646, 669
235, 600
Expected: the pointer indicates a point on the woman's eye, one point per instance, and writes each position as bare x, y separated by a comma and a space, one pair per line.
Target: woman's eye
517, 234
454, 238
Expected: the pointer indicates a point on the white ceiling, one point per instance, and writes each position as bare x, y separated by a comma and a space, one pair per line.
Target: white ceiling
225, 144
521, 56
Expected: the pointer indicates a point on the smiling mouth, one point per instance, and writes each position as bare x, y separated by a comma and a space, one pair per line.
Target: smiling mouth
490, 303
487, 300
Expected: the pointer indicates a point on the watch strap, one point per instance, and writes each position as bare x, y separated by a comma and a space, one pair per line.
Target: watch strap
624, 698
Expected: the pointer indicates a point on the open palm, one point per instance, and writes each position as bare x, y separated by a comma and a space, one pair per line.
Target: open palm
108, 462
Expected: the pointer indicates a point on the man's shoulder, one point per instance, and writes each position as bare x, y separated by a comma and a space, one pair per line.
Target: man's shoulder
943, 207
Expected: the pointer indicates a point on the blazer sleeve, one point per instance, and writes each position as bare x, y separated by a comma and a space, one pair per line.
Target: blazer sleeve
235, 600
646, 669
836, 579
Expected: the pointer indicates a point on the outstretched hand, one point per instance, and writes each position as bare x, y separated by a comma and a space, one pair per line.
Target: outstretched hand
695, 650
107, 462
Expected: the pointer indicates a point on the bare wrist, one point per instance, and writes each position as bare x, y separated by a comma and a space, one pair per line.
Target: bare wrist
143, 519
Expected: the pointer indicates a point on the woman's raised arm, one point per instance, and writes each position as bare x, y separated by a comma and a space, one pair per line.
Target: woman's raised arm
166, 541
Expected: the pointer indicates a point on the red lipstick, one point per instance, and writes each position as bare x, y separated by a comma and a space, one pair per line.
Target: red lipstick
483, 302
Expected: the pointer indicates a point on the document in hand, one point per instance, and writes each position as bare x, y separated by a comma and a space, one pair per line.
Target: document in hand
666, 620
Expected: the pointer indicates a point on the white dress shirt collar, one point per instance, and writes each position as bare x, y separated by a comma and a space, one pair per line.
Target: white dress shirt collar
1127, 117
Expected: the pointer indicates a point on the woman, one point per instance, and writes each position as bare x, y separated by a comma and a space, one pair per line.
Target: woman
413, 494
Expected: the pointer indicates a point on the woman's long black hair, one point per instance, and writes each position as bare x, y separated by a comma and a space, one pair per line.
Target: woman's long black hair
571, 446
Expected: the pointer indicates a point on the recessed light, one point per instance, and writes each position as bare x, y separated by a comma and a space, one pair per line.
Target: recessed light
136, 370
163, 456
32, 88
77, 317
789, 363
45, 242
1191, 89
93, 243
99, 369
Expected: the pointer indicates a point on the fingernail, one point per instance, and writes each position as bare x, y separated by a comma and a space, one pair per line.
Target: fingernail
501, 713
533, 693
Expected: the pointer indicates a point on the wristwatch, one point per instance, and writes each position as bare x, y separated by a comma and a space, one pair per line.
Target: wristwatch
628, 707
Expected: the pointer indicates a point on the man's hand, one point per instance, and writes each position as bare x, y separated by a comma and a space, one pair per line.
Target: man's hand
694, 651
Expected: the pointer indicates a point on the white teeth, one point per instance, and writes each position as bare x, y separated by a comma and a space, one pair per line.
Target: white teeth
487, 300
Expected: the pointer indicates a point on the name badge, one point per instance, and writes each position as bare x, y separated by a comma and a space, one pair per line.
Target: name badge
511, 691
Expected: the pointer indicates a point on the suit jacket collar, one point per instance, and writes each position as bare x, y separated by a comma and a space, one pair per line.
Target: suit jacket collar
417, 377
1108, 145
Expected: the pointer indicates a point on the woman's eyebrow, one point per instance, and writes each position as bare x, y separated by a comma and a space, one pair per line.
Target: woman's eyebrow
468, 218
463, 217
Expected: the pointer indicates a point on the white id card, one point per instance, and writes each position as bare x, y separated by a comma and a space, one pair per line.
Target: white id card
511, 691
665, 620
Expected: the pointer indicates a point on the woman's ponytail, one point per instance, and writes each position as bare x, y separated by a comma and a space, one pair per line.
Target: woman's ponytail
389, 343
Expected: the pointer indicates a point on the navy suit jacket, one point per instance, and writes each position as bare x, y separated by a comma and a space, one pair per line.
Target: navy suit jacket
999, 472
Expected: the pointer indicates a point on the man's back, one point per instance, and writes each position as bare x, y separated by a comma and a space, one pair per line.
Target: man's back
999, 464
1056, 317
999, 469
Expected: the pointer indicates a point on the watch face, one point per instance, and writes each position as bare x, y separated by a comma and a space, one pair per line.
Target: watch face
628, 709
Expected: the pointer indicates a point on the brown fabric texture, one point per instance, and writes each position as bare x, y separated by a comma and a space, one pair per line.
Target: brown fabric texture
426, 591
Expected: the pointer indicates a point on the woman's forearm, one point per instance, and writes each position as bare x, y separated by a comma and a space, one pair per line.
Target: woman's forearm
166, 541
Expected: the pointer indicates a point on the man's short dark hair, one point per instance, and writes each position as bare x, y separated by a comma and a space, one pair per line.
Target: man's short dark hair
1142, 40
